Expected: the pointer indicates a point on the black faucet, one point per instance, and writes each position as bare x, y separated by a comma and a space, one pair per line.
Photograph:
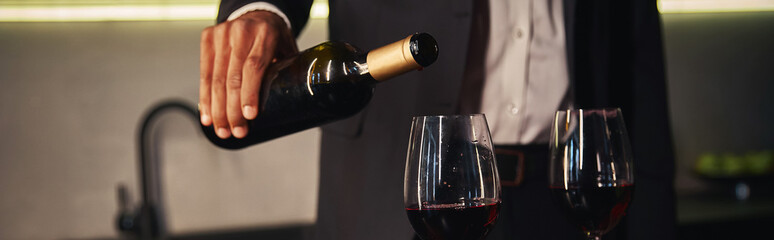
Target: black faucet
147, 221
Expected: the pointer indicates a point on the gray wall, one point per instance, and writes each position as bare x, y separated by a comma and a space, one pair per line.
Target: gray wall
721, 75
71, 98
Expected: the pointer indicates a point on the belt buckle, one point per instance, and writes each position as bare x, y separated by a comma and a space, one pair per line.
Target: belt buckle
518, 177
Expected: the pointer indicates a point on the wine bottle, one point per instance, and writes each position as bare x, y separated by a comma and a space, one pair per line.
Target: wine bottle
325, 83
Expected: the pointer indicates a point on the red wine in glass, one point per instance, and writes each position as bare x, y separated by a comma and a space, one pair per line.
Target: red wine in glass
450, 222
594, 209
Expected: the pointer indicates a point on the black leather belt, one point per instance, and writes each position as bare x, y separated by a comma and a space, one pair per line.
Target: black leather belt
517, 164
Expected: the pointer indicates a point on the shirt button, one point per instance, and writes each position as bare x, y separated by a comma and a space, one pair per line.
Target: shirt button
514, 110
518, 33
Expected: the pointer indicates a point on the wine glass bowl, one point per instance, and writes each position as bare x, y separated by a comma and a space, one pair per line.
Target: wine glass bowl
452, 187
591, 170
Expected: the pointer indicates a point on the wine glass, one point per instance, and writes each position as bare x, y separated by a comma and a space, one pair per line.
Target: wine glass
590, 172
452, 188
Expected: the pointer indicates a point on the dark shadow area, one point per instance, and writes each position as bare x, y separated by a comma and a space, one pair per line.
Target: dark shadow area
751, 228
294, 232
278, 233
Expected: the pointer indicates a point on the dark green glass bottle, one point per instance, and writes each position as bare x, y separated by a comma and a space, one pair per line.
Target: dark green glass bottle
325, 83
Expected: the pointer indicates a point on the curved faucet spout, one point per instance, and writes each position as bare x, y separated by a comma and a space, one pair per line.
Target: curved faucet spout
147, 222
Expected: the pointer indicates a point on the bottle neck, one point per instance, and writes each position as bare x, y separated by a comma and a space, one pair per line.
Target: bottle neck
358, 67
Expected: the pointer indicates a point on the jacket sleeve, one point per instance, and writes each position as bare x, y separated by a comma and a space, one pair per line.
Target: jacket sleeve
297, 11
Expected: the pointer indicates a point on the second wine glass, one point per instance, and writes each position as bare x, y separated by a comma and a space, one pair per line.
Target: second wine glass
591, 171
452, 188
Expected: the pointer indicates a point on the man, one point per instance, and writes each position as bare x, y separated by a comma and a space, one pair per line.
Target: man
516, 61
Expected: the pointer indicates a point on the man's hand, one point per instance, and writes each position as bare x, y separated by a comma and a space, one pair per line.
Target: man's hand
234, 56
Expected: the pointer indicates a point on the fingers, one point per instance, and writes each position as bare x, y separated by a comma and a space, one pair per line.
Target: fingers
206, 59
240, 46
255, 65
218, 88
234, 57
